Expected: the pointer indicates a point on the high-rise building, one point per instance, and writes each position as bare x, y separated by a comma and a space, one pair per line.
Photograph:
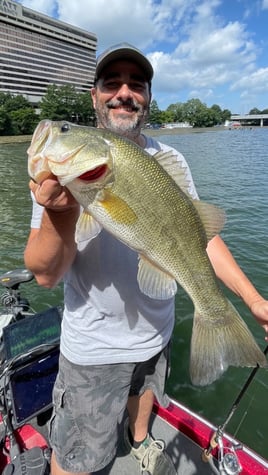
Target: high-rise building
36, 50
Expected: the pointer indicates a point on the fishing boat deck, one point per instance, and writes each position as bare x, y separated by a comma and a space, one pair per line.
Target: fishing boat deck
185, 454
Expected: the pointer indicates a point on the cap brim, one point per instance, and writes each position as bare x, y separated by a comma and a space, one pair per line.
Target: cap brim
128, 54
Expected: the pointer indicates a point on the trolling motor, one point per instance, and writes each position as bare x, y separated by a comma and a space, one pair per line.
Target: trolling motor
11, 298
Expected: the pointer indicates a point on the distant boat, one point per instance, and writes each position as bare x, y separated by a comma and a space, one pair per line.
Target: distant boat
176, 125
234, 124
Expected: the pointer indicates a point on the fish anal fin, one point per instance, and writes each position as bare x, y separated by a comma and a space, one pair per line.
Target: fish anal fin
212, 217
154, 282
116, 208
87, 227
216, 346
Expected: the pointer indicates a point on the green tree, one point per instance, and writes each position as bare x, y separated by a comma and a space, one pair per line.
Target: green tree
17, 102
177, 112
255, 110
166, 117
226, 115
196, 113
155, 113
84, 110
23, 121
16, 115
5, 121
216, 114
59, 103
4, 97
65, 103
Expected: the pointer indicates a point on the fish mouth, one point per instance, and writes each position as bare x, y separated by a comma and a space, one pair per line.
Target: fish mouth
39, 138
42, 163
38, 168
94, 174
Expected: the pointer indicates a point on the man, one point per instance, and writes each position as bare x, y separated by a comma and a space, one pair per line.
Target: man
114, 343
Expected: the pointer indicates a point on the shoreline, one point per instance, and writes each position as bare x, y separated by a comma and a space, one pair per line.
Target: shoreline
197, 130
150, 132
6, 139
182, 130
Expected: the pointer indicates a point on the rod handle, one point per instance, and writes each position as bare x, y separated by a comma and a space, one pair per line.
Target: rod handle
206, 454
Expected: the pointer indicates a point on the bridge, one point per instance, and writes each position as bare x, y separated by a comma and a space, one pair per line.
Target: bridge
251, 119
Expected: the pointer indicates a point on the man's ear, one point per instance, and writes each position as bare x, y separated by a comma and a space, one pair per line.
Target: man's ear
93, 95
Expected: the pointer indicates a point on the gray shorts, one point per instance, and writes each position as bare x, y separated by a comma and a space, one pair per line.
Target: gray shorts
89, 404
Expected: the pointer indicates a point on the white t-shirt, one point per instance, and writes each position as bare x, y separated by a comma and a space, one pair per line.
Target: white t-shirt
106, 317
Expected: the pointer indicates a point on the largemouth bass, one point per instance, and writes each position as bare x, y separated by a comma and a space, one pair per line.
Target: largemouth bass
143, 201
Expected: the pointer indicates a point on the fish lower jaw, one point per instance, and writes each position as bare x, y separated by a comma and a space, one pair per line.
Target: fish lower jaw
42, 176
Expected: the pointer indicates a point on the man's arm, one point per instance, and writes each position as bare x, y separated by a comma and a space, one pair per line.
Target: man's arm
229, 272
51, 249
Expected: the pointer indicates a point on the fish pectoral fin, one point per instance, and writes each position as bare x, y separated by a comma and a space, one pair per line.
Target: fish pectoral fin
154, 282
220, 342
176, 169
116, 207
87, 227
212, 217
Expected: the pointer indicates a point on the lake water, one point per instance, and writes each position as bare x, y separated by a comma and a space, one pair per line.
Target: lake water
230, 169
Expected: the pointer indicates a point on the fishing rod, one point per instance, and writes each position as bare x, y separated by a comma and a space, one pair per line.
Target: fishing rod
216, 439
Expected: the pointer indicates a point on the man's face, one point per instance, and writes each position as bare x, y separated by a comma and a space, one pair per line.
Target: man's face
121, 98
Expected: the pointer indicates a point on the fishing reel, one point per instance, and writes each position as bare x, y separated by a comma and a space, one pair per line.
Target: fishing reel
231, 464
228, 460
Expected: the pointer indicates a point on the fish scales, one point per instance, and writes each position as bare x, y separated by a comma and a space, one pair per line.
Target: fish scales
132, 195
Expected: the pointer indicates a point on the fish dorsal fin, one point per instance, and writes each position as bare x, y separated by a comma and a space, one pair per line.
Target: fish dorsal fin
212, 217
175, 168
154, 282
116, 208
87, 227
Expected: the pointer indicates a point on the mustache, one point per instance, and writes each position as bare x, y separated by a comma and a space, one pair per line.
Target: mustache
113, 103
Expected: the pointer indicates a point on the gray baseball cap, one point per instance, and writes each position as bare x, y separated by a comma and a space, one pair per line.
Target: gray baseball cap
124, 51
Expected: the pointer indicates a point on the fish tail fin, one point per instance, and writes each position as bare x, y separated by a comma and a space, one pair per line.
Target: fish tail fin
215, 347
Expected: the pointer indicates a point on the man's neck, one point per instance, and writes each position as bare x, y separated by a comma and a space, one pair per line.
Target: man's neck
141, 141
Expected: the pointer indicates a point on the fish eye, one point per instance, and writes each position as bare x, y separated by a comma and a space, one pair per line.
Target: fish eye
65, 127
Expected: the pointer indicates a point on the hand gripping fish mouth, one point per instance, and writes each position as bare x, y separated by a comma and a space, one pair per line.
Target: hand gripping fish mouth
66, 164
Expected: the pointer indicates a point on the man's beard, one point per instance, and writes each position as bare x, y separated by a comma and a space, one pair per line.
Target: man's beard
123, 124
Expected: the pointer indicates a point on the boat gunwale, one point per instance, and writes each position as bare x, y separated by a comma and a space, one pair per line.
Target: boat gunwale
201, 431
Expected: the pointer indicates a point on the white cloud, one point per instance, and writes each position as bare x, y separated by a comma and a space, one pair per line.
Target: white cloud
192, 47
136, 21
210, 54
257, 81
48, 7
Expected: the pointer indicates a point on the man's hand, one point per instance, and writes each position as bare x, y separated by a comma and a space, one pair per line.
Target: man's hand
52, 195
260, 311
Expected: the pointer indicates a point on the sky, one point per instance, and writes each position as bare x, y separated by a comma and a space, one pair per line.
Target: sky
213, 50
